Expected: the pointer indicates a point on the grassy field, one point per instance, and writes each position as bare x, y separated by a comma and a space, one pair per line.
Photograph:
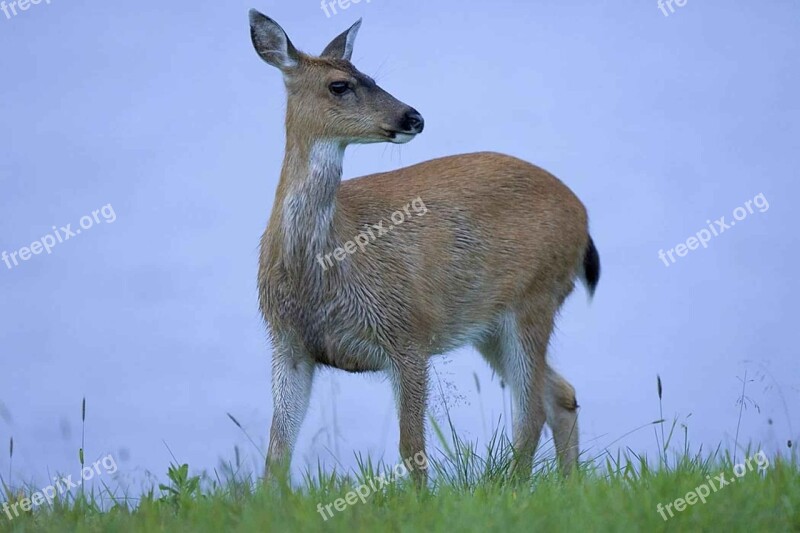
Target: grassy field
468, 490
466, 493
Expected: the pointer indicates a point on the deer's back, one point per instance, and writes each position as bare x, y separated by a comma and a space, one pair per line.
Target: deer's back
507, 205
498, 230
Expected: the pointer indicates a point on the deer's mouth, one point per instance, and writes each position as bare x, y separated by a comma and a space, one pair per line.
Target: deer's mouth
399, 137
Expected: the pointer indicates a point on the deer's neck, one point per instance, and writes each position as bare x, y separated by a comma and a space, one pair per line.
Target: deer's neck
312, 172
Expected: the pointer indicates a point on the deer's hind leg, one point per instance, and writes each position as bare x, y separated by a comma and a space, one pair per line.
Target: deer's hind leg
517, 351
512, 352
561, 408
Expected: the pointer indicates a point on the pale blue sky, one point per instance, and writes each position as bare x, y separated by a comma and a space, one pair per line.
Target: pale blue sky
164, 111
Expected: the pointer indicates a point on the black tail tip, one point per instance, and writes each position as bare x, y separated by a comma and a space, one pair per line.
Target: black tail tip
591, 267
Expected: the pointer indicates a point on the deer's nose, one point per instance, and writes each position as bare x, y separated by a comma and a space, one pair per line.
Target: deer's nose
413, 121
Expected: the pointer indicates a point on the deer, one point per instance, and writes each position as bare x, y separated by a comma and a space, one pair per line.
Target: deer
490, 264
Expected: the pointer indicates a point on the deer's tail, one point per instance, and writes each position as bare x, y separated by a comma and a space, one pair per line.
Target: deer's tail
591, 267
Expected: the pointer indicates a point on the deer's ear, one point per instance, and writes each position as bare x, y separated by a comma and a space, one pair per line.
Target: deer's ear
271, 42
342, 46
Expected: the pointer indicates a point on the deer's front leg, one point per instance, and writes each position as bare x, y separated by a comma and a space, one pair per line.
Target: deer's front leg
292, 376
410, 380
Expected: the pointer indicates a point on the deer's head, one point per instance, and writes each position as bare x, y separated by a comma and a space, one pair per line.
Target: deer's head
328, 98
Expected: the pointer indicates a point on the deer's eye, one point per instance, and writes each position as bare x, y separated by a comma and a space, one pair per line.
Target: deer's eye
339, 87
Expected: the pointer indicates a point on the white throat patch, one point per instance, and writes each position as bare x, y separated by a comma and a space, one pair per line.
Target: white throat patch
309, 207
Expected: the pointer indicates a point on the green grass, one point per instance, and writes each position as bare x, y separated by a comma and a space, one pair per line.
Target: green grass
468, 490
466, 493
